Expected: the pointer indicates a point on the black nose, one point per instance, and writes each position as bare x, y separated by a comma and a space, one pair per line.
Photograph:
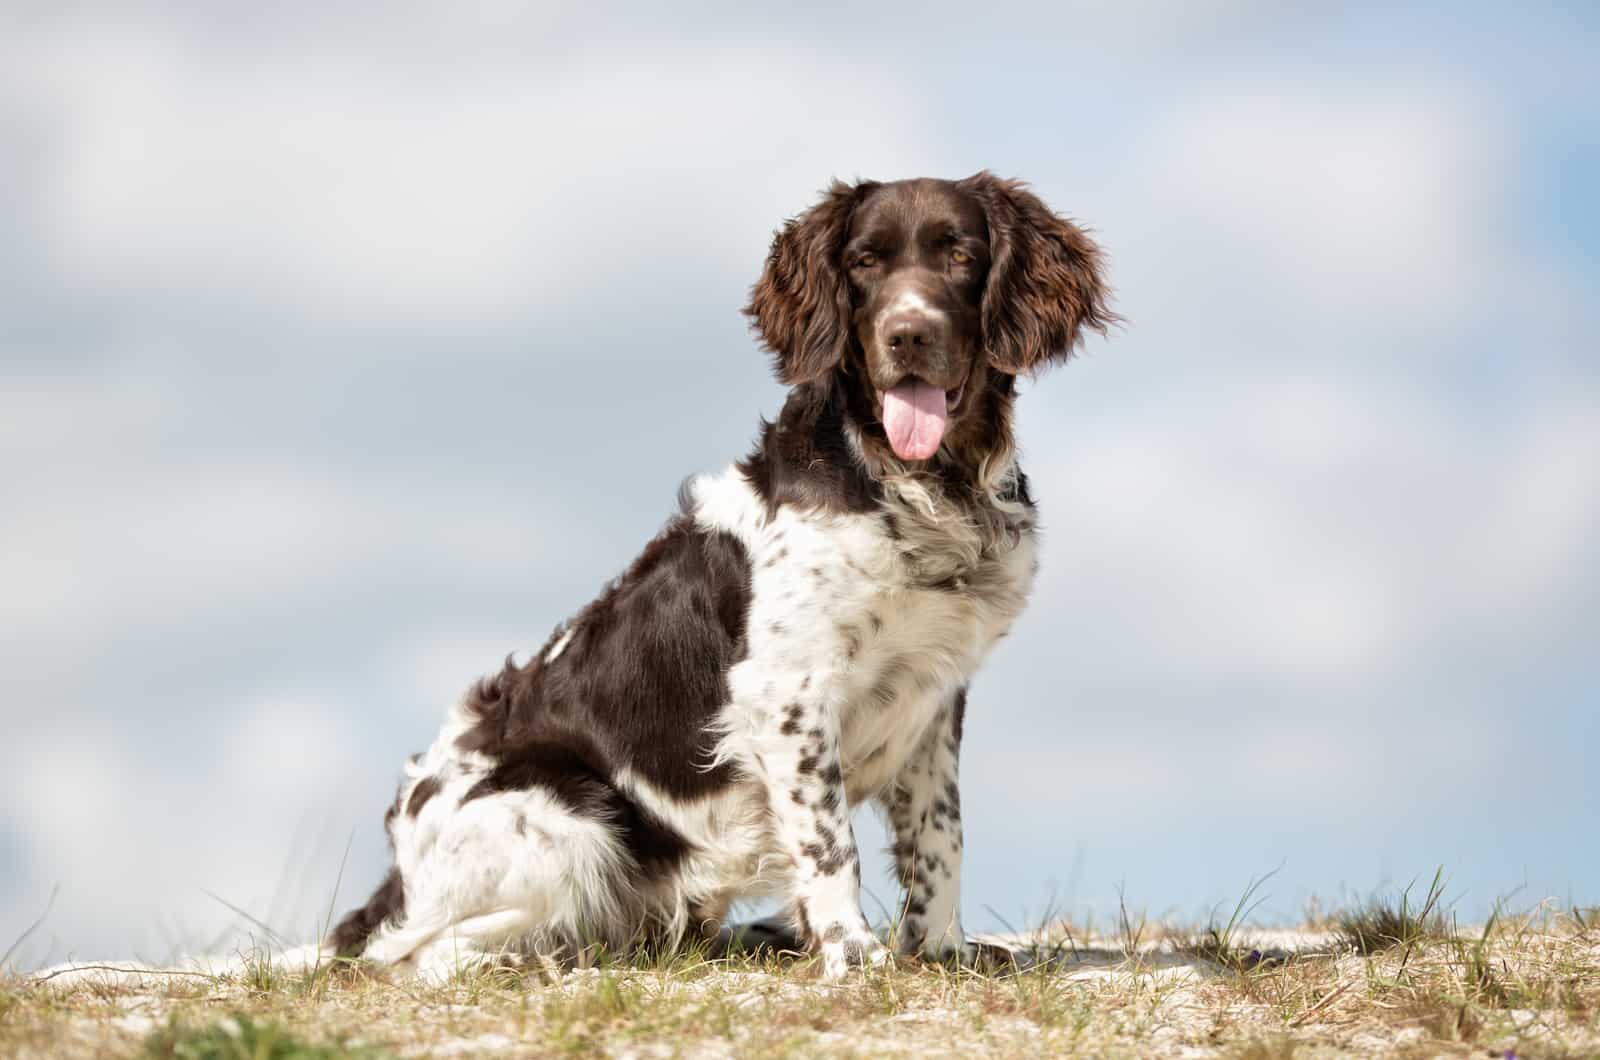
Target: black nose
912, 331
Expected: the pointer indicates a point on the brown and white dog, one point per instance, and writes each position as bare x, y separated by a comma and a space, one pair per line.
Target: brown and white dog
798, 639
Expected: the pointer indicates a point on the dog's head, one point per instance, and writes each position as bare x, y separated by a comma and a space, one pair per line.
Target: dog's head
933, 292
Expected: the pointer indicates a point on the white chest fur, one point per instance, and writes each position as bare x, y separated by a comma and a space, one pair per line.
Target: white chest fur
931, 642
895, 613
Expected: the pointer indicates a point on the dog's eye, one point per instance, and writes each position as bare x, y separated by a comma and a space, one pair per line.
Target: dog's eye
960, 257
866, 261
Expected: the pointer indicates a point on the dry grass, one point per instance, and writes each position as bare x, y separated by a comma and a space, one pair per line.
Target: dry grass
1383, 923
1529, 985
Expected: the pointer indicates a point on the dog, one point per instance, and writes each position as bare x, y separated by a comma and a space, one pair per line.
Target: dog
800, 637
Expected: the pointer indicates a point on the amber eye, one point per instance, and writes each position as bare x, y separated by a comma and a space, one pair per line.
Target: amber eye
866, 261
960, 257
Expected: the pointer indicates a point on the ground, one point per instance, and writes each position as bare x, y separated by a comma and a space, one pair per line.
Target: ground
1376, 981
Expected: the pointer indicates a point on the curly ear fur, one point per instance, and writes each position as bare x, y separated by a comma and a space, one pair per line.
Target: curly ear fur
801, 304
1045, 285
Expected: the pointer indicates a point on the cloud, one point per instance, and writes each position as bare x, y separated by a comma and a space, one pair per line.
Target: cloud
1300, 219
1313, 528
302, 183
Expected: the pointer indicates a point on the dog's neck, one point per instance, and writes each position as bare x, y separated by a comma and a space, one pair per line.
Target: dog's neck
828, 450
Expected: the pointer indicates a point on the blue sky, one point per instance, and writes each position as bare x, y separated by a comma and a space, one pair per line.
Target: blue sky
325, 340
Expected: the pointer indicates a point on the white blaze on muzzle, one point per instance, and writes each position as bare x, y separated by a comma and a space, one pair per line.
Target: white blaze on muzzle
909, 300
915, 412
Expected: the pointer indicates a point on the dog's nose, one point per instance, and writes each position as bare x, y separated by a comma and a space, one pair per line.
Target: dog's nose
913, 331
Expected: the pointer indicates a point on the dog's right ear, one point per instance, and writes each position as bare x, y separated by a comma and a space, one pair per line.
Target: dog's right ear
1046, 283
801, 304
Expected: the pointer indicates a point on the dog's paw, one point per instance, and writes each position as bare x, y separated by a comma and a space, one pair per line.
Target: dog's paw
845, 948
949, 950
988, 957
914, 940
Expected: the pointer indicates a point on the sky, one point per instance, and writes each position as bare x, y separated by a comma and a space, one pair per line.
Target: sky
344, 351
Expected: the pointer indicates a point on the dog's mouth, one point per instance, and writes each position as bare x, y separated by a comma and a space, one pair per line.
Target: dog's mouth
915, 414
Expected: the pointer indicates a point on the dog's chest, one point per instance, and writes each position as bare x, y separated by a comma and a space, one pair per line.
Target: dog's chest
879, 617
918, 629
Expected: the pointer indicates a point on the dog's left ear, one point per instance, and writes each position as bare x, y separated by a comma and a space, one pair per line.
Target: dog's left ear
1045, 279
801, 304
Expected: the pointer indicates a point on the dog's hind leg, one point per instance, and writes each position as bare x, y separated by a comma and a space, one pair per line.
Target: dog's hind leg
500, 871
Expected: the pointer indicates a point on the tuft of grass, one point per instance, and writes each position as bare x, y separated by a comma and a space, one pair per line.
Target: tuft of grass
1130, 935
1220, 943
239, 1037
1587, 919
1383, 924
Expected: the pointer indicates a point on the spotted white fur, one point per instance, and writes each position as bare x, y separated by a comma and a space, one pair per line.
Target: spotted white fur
858, 650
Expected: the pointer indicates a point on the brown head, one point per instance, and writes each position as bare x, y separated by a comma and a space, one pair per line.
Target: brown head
930, 296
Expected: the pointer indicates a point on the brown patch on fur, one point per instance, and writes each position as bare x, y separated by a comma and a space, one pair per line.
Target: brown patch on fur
801, 304
426, 789
1045, 278
388, 902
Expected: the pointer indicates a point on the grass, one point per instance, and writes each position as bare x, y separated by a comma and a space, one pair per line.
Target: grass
1390, 977
1219, 944
1383, 923
239, 1037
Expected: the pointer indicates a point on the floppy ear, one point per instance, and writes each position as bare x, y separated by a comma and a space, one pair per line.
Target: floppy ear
1045, 285
801, 304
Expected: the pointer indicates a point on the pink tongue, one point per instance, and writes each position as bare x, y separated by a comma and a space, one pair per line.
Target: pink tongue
913, 416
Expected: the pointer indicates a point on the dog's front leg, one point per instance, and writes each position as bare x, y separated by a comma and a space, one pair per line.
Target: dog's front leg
924, 809
799, 757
